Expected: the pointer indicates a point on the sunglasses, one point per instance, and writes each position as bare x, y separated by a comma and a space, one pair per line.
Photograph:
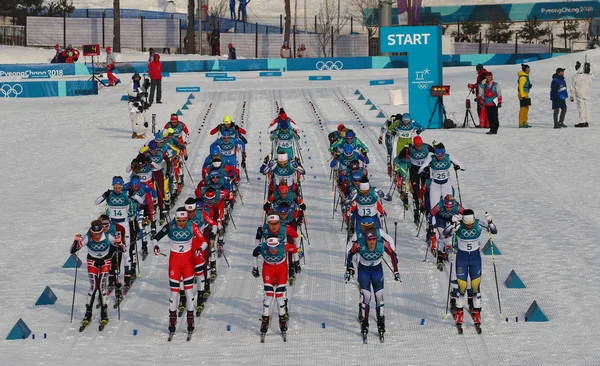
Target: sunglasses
181, 220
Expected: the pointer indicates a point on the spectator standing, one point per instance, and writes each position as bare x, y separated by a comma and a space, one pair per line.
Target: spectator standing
242, 13
286, 51
231, 55
559, 95
155, 73
465, 38
58, 57
151, 54
215, 39
232, 9
481, 71
491, 98
502, 39
524, 85
580, 90
110, 66
302, 53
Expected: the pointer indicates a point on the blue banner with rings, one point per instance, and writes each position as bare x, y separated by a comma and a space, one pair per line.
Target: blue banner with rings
44, 89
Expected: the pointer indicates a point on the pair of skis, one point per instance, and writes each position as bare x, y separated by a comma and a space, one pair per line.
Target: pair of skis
188, 338
85, 323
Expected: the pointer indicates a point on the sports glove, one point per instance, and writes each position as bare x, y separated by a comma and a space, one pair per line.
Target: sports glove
255, 272
364, 152
185, 157
156, 250
396, 276
267, 206
121, 247
272, 163
294, 164
422, 207
350, 271
499, 105
266, 160
219, 225
380, 140
488, 217
336, 154
243, 155
303, 206
394, 133
243, 162
456, 220
456, 167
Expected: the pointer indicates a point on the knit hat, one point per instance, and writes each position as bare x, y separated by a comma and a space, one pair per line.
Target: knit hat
524, 67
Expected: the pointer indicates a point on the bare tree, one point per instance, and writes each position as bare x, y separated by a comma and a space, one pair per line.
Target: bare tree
327, 32
191, 45
362, 10
288, 21
218, 8
116, 26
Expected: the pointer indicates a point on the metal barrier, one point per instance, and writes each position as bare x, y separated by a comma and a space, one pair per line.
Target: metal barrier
12, 35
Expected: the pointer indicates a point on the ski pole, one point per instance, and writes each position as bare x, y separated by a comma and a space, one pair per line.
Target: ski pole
302, 246
334, 202
306, 228
226, 261
231, 217
188, 171
420, 224
388, 197
451, 268
495, 274
74, 256
458, 187
395, 232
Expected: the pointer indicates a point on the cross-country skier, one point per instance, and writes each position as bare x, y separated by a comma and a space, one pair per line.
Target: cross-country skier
275, 226
284, 139
115, 230
282, 116
440, 173
365, 204
228, 125
417, 153
275, 251
349, 138
282, 168
370, 245
470, 237
439, 217
101, 247
337, 134
185, 242
214, 204
404, 128
229, 146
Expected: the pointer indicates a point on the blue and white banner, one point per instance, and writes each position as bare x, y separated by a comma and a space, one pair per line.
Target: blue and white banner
44, 89
42, 70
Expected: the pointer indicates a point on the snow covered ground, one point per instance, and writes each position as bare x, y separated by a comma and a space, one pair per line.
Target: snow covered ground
540, 185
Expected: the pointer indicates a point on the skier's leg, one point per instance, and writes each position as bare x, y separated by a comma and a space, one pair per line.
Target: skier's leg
269, 288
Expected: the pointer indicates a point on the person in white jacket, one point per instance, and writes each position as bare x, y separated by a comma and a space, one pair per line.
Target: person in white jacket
137, 107
580, 91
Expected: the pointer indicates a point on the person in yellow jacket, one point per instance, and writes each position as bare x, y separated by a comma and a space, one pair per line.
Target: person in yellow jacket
524, 85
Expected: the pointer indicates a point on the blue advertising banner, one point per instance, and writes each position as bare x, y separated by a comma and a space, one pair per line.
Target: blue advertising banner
39, 70
424, 47
546, 11
44, 89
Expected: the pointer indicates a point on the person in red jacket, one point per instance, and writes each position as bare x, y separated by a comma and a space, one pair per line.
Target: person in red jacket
155, 73
481, 71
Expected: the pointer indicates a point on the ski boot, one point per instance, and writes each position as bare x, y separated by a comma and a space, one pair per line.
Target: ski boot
111, 284
381, 327
144, 250
477, 319
213, 270
360, 316
87, 317
364, 328
440, 260
291, 275
127, 285
283, 323
118, 295
453, 306
104, 314
431, 239
182, 302
220, 244
200, 303
405, 200
172, 321
153, 228
297, 267
133, 272
190, 321
206, 293
264, 325
458, 318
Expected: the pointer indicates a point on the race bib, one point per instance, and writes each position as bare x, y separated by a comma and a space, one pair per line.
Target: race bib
118, 212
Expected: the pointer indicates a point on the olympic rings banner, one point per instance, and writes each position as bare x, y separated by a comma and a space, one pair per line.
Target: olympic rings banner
44, 89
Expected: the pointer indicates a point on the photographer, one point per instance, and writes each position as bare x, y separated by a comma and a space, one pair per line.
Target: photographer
481, 71
137, 106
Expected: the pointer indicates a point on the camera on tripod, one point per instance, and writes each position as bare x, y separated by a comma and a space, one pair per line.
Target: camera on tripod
146, 83
468, 114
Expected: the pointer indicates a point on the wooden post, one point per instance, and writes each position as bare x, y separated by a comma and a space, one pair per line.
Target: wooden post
103, 29
256, 43
565, 33
142, 32
516, 43
117, 26
64, 31
294, 41
332, 41
280, 23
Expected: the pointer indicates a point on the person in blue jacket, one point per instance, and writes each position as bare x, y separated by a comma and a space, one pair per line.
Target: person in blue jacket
559, 95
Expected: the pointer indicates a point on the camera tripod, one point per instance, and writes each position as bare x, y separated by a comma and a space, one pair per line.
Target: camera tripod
94, 77
468, 114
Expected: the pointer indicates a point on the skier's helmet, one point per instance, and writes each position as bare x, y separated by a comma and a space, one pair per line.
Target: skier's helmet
406, 118
227, 120
468, 217
284, 125
190, 204
348, 150
354, 165
417, 141
152, 145
216, 162
135, 182
215, 150
117, 180
449, 201
96, 229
